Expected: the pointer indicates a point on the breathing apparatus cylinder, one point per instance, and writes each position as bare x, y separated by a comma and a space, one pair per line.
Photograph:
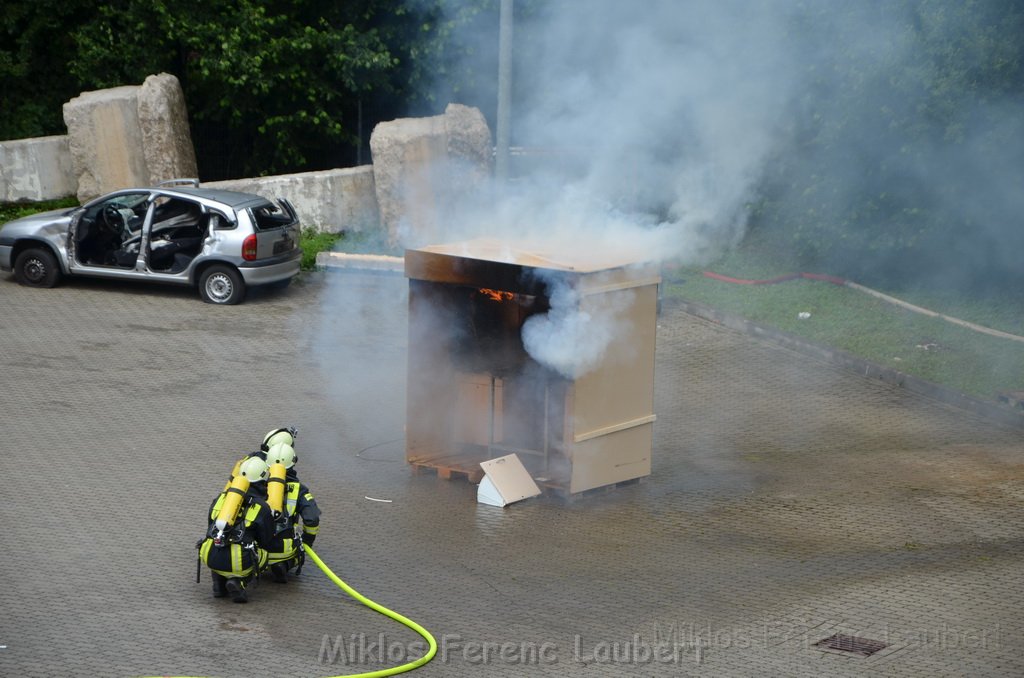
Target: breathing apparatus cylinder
275, 487
234, 472
233, 500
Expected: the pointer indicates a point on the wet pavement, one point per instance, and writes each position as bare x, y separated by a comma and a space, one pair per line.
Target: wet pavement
790, 501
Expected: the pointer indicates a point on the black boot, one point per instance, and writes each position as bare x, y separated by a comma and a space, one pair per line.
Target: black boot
236, 587
279, 571
219, 585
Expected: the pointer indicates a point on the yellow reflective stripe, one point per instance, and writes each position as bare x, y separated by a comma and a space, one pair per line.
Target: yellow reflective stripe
310, 529
236, 558
292, 499
217, 505
237, 553
309, 496
287, 551
251, 513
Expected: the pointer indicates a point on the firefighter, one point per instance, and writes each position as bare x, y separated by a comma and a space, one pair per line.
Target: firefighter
240, 529
289, 501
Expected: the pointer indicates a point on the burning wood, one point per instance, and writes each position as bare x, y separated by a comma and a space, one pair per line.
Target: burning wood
496, 295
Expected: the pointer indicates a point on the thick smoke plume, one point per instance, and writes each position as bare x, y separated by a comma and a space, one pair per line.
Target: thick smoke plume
644, 126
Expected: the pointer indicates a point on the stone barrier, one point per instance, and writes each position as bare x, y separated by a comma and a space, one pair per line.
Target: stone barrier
134, 136
330, 200
424, 166
129, 136
36, 169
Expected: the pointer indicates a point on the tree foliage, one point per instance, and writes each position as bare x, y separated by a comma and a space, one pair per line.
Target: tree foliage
906, 143
35, 42
272, 85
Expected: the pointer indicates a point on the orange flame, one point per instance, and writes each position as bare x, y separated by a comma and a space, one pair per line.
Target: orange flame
496, 295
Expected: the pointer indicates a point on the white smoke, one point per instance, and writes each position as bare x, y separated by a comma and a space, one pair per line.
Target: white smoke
644, 126
667, 109
571, 338
651, 122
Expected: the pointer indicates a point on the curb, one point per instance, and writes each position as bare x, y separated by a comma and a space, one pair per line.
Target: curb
360, 263
989, 410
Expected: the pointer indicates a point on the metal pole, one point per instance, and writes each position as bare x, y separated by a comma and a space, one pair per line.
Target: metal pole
504, 90
494, 404
359, 127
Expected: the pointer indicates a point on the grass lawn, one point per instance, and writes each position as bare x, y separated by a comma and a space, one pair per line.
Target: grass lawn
930, 348
9, 211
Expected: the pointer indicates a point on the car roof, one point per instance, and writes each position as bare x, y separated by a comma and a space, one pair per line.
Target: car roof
235, 199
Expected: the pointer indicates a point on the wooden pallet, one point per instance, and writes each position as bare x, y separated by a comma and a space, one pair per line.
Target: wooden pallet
561, 492
450, 467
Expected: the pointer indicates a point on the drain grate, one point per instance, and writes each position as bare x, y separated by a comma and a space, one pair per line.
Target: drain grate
862, 647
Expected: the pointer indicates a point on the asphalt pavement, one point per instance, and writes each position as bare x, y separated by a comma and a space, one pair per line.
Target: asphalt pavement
790, 502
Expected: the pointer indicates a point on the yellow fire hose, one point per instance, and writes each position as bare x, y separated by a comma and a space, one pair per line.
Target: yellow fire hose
394, 670
387, 613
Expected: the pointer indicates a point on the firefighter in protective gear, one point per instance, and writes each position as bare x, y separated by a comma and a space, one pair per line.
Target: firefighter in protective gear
289, 501
240, 529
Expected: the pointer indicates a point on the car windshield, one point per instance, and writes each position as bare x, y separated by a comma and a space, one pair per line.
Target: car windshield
129, 200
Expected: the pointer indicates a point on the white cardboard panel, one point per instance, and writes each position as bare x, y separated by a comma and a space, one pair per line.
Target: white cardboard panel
505, 481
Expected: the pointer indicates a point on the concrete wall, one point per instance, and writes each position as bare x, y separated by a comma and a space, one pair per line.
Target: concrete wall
331, 200
337, 200
132, 136
36, 169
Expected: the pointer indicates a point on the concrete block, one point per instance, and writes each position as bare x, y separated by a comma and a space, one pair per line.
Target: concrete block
105, 140
423, 167
163, 121
334, 201
346, 261
36, 169
129, 136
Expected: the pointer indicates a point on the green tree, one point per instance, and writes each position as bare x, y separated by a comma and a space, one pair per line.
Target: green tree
271, 85
35, 42
275, 86
906, 142
268, 82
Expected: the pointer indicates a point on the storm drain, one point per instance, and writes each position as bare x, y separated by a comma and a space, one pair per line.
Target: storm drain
862, 647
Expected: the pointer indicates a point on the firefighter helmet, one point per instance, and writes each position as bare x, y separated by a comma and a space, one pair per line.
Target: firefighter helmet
281, 453
255, 469
279, 435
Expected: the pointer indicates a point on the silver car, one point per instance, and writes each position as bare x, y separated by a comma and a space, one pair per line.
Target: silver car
178, 233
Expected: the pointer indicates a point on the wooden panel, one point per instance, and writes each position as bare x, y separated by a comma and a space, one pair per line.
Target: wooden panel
613, 458
445, 268
473, 412
621, 388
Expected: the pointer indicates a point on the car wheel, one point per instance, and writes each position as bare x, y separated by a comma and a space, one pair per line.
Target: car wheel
36, 268
221, 285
